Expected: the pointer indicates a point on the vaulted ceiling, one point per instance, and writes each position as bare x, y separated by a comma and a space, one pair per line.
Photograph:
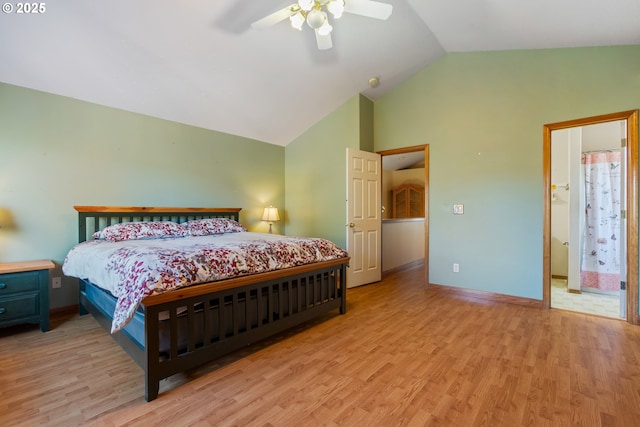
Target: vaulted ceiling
199, 62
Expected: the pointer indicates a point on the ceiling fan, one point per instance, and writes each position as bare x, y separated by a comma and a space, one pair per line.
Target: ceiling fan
313, 13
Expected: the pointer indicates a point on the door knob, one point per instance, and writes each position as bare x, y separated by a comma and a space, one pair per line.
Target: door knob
351, 224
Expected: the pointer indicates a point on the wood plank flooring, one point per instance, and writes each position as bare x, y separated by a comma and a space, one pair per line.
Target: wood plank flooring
403, 355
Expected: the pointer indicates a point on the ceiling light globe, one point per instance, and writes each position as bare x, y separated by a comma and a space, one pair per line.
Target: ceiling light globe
336, 7
297, 20
325, 29
306, 5
316, 18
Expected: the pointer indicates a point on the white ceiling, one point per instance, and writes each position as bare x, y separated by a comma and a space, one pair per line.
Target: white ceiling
198, 62
394, 162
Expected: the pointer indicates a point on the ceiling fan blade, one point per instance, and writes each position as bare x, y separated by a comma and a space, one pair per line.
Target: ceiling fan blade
368, 8
324, 42
275, 17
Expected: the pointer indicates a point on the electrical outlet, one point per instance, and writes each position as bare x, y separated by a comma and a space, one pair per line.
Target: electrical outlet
56, 282
456, 268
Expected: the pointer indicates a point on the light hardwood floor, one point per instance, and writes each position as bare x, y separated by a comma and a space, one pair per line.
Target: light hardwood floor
402, 355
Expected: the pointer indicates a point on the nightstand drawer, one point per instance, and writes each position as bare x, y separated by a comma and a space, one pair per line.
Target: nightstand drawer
19, 282
24, 293
19, 307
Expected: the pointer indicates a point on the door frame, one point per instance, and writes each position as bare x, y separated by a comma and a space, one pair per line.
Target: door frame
413, 149
631, 148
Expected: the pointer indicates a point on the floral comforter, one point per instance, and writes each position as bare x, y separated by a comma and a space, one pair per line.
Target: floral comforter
134, 269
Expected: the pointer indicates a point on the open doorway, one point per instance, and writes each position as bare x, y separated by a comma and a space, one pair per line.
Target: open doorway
588, 229
568, 196
406, 206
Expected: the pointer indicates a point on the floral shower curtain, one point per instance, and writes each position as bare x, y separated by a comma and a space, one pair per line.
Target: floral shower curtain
600, 267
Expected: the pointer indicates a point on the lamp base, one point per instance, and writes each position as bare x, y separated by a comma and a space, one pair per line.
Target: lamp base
270, 232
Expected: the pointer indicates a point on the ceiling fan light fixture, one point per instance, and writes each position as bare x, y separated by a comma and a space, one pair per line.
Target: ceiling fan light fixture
316, 14
316, 18
297, 20
336, 7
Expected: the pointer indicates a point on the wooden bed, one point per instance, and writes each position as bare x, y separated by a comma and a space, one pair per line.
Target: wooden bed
208, 320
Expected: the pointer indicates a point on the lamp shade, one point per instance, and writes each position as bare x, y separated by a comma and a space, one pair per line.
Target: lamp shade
7, 222
270, 214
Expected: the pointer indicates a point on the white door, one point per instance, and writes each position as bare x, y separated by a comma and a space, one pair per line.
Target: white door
575, 194
623, 220
364, 221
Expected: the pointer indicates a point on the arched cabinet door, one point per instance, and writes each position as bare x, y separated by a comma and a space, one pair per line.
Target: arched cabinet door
408, 201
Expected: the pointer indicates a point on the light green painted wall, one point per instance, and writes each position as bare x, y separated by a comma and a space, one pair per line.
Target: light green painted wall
366, 124
315, 174
482, 116
57, 152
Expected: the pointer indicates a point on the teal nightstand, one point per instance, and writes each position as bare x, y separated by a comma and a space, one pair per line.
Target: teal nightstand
24, 293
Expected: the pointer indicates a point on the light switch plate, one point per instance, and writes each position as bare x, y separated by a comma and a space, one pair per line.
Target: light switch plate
458, 209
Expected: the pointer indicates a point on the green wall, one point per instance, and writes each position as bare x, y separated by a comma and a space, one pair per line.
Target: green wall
57, 152
482, 115
315, 171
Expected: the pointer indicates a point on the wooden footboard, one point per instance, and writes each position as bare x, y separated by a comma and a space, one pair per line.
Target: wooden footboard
190, 326
204, 326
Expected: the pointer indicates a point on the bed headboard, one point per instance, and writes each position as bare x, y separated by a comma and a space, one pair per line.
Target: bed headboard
94, 218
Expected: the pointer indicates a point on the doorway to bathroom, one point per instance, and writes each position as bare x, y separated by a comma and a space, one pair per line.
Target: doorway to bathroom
590, 236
